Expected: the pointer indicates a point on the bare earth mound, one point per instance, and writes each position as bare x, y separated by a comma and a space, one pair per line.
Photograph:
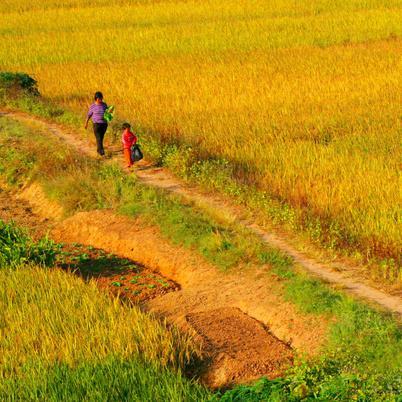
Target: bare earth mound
238, 348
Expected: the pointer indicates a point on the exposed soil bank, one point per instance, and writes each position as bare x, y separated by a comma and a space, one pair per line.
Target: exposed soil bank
22, 213
236, 348
203, 288
115, 275
221, 309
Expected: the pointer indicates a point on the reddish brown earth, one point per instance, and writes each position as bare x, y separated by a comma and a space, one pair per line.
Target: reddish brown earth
116, 275
239, 348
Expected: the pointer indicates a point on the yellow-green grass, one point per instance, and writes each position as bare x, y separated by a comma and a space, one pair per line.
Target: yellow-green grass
303, 98
52, 322
58, 317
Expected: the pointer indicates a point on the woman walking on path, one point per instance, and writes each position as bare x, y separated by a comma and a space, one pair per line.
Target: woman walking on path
96, 112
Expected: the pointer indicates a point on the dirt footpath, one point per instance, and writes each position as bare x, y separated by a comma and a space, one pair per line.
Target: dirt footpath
346, 277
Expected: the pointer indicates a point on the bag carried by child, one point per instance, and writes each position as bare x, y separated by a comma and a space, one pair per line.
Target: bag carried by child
136, 154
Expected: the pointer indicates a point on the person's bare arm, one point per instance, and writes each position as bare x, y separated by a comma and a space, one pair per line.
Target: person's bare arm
86, 122
89, 115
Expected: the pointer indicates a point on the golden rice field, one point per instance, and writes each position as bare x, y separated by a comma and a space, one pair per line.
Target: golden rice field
63, 340
54, 316
306, 96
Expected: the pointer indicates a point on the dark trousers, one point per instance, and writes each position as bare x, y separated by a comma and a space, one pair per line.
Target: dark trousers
99, 131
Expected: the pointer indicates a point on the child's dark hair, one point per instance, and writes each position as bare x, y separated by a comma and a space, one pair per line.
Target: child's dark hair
126, 125
98, 95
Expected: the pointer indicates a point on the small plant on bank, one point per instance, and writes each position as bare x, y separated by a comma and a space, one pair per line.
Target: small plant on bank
16, 247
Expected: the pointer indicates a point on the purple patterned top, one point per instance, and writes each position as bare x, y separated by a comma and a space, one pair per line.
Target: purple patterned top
96, 112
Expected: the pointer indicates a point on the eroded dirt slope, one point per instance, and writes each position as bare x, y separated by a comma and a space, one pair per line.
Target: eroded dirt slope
180, 287
203, 287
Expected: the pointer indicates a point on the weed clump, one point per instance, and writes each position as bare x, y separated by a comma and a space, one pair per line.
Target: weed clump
17, 248
13, 84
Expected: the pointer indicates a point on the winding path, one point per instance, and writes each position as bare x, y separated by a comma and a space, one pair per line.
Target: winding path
162, 178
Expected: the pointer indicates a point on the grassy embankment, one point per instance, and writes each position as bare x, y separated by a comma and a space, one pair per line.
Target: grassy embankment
302, 100
361, 358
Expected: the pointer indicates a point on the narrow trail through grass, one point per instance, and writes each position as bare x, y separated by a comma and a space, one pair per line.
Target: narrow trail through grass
361, 356
162, 178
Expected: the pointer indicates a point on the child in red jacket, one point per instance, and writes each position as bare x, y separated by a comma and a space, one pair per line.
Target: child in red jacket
129, 139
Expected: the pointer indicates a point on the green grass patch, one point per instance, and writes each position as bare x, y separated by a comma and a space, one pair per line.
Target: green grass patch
311, 296
17, 247
113, 379
223, 245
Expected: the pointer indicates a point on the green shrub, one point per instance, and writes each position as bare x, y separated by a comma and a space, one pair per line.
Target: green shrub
18, 82
16, 247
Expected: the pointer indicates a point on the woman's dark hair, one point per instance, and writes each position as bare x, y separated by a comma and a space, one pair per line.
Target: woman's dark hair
125, 125
98, 95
